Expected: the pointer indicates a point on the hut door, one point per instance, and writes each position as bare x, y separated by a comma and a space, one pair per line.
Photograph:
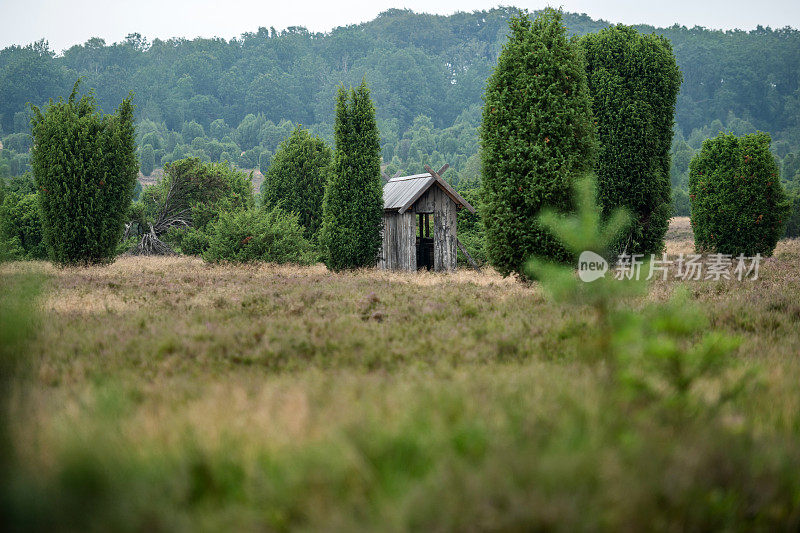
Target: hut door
424, 242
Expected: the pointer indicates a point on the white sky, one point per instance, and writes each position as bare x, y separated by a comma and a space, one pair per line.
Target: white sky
64, 23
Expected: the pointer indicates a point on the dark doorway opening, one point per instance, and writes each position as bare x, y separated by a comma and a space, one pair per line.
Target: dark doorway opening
424, 242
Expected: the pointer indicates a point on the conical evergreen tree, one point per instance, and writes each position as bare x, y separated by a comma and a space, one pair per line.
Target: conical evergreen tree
296, 178
353, 203
537, 137
85, 168
634, 82
148, 159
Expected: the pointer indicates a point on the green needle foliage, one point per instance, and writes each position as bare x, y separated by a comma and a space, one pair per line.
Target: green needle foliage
85, 168
793, 224
634, 82
651, 356
257, 235
148, 159
353, 203
537, 133
579, 232
296, 178
21, 227
738, 203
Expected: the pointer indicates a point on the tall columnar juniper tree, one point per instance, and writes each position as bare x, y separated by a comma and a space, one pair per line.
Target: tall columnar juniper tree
537, 137
634, 82
85, 167
296, 178
738, 203
353, 202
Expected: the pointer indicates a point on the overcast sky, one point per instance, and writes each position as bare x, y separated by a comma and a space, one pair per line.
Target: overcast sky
64, 23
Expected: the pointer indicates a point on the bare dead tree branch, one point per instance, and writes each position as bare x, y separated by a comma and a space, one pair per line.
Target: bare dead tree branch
174, 212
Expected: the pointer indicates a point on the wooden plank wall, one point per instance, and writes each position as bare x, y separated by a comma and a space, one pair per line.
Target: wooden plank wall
399, 251
444, 231
407, 241
382, 263
425, 204
400, 232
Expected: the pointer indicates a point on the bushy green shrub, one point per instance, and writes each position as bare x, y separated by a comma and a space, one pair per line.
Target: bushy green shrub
790, 167
264, 161
200, 192
191, 131
23, 184
148, 159
137, 191
193, 241
634, 81
738, 203
85, 168
21, 227
680, 203
297, 177
470, 227
257, 235
353, 202
10, 250
537, 135
793, 224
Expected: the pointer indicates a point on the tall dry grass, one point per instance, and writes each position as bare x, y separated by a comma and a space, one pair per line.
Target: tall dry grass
175, 395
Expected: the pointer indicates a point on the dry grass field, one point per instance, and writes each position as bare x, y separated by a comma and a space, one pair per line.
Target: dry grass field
168, 394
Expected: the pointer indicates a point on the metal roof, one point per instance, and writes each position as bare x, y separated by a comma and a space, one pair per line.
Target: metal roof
397, 192
400, 193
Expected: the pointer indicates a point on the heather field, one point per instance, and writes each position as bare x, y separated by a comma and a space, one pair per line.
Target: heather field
169, 394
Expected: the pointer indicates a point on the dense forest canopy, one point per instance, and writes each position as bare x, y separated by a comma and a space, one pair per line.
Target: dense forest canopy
237, 99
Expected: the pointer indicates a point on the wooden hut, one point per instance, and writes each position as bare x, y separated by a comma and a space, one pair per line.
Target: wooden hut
411, 240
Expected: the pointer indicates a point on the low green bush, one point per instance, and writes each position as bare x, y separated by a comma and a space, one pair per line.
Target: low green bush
737, 200
681, 207
22, 184
257, 235
191, 196
793, 223
193, 241
470, 226
21, 228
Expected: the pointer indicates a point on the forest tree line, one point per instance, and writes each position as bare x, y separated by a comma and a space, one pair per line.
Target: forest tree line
427, 74
236, 100
186, 110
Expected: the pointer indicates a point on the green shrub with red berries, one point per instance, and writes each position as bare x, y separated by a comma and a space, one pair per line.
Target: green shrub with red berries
738, 203
537, 138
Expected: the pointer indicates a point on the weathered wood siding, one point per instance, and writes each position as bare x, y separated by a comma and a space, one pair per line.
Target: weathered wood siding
400, 233
399, 251
384, 244
444, 231
425, 204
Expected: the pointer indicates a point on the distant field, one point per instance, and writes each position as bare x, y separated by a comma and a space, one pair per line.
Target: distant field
679, 236
278, 397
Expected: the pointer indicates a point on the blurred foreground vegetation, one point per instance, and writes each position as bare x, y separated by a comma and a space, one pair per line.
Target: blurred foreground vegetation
169, 394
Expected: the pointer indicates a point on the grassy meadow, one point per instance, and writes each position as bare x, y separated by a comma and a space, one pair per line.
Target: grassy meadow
169, 394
